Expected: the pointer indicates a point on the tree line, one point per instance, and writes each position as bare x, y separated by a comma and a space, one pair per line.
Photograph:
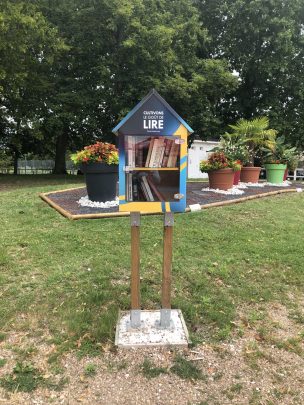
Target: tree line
71, 69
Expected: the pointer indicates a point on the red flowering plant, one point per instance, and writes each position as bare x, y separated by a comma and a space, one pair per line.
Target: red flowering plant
100, 152
217, 161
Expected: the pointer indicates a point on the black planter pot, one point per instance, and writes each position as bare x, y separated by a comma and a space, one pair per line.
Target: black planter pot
101, 180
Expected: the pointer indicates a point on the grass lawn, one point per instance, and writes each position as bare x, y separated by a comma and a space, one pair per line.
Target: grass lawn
64, 281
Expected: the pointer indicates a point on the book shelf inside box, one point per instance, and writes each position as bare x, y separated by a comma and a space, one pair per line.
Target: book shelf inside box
152, 185
152, 168
161, 152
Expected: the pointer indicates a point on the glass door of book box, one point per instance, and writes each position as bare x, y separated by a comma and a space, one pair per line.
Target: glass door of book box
152, 168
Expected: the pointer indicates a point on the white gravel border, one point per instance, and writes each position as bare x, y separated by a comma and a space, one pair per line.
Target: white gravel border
85, 202
284, 184
238, 189
246, 185
231, 191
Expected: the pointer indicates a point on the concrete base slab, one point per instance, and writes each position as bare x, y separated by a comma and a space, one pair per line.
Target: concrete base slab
150, 333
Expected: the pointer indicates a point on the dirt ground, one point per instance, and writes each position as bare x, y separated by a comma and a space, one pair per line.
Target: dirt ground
254, 367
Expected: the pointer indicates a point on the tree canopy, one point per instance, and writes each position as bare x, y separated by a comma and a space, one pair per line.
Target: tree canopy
28, 46
264, 42
70, 70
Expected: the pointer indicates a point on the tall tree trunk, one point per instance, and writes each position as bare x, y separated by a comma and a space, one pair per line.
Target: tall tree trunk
16, 152
16, 157
61, 149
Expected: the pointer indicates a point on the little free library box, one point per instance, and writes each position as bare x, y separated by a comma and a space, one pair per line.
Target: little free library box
152, 157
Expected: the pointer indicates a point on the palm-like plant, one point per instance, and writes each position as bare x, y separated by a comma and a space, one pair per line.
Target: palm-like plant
255, 133
281, 152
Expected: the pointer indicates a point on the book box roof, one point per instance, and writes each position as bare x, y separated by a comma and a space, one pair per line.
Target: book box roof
151, 116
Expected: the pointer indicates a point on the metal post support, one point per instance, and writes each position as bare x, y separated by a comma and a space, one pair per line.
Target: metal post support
165, 312
135, 279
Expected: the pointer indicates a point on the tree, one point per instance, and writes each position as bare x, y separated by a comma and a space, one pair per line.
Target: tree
118, 51
158, 44
114, 53
28, 45
264, 42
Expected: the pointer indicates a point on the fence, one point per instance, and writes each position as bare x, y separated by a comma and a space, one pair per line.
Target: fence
297, 174
41, 166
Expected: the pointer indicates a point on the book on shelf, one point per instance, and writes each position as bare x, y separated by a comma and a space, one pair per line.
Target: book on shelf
173, 155
162, 153
151, 152
147, 187
156, 152
168, 145
130, 149
154, 148
144, 189
135, 189
136, 152
154, 189
141, 151
129, 187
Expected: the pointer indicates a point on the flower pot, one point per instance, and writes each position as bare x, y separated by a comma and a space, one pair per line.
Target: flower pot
101, 180
221, 179
250, 174
275, 172
237, 176
285, 174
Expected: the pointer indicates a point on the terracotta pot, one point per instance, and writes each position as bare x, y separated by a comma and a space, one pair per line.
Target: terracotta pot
237, 176
101, 180
221, 179
285, 174
250, 174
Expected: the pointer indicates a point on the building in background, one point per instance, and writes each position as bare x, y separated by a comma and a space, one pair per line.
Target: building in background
198, 151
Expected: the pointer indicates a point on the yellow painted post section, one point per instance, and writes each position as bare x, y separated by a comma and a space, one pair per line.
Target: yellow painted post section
141, 206
183, 133
183, 166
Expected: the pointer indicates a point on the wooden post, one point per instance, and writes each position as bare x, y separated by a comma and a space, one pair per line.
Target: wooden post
167, 266
135, 280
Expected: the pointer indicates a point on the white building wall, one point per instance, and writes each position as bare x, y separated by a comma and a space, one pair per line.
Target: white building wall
198, 151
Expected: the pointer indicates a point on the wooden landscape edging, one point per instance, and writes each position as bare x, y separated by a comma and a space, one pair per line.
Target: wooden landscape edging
67, 214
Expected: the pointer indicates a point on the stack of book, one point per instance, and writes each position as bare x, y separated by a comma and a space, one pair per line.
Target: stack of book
142, 187
151, 152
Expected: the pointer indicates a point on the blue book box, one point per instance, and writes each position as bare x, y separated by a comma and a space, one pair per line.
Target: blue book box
152, 157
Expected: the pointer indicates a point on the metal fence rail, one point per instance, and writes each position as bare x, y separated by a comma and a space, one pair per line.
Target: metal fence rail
297, 174
42, 166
